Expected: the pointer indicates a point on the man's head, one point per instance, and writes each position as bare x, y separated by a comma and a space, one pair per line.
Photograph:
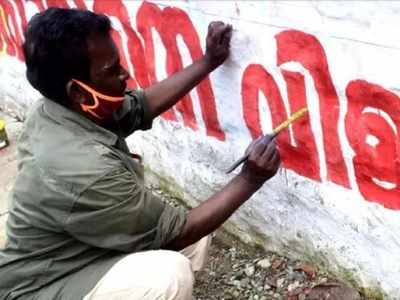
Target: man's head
66, 44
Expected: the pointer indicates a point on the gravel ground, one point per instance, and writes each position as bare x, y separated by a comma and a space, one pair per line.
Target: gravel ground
234, 272
237, 271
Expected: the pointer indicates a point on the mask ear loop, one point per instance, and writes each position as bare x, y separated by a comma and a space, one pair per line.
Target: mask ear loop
95, 94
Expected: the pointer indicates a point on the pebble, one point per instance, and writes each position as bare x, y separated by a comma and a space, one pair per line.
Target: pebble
264, 263
280, 282
302, 297
293, 286
249, 270
245, 282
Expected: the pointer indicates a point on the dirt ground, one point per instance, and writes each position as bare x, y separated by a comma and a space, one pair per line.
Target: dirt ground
235, 271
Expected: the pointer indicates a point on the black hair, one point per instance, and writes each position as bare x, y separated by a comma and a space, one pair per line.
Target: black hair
55, 49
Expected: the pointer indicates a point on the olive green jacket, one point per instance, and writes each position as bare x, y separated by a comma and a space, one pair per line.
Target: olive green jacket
79, 203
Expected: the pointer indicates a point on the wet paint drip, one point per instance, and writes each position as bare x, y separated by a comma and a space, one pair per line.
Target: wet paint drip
3, 135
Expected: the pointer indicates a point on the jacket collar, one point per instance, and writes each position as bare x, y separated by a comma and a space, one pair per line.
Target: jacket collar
70, 118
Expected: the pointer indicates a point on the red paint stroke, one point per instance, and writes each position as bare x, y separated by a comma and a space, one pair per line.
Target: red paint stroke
22, 14
304, 48
171, 23
254, 79
12, 38
57, 3
80, 4
3, 42
148, 17
382, 161
303, 158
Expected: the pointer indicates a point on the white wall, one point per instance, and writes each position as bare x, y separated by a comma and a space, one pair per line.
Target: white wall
347, 221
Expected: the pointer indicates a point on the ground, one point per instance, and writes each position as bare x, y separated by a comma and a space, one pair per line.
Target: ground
233, 271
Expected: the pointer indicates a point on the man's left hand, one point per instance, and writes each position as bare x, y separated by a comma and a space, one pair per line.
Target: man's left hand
218, 43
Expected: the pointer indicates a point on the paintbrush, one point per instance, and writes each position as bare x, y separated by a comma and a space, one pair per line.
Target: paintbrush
295, 116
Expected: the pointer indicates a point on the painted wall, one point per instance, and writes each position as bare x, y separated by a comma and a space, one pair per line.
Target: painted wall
337, 198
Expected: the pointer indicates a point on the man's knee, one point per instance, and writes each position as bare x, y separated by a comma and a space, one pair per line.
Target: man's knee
176, 274
157, 274
176, 265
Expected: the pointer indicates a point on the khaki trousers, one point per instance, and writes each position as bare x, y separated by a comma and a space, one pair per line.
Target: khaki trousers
153, 275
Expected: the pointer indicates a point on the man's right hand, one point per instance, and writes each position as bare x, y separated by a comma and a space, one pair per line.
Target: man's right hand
218, 43
263, 162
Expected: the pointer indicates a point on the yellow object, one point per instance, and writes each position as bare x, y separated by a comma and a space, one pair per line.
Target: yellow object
3, 135
291, 119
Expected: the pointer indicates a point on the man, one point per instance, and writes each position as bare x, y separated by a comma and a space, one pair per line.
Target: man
81, 224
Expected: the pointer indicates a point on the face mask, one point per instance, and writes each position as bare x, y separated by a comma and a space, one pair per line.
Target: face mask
103, 105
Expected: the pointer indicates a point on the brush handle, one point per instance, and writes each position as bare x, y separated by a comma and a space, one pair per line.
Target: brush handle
237, 163
245, 157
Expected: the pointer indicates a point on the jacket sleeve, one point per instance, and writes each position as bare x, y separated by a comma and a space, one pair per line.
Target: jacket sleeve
116, 212
134, 113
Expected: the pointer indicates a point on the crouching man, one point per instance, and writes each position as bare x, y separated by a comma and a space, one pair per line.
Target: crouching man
81, 223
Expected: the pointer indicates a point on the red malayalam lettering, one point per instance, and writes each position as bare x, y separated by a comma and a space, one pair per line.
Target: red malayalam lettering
304, 48
372, 121
304, 157
380, 162
57, 3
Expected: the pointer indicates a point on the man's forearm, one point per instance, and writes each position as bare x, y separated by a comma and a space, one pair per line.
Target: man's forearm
208, 216
163, 95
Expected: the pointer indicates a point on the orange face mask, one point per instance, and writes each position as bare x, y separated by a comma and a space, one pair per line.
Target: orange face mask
103, 105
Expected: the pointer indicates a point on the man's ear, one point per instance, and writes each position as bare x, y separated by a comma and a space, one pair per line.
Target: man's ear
75, 93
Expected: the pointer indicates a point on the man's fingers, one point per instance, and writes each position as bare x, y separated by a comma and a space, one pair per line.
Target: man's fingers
215, 29
250, 147
267, 138
226, 39
225, 34
258, 149
218, 33
276, 160
266, 156
213, 25
264, 140
275, 157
